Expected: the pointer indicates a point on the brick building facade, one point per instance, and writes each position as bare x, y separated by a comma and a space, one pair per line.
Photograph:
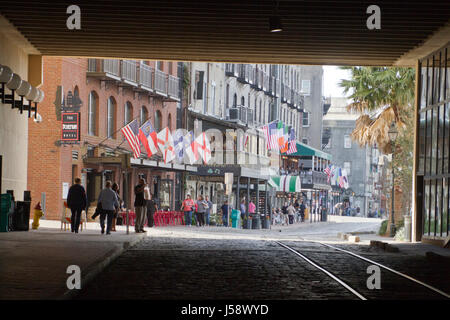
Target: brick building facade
110, 91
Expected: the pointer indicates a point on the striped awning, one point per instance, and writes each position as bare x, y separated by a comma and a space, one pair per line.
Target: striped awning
286, 183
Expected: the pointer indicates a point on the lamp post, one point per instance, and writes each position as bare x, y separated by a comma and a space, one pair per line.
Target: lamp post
392, 136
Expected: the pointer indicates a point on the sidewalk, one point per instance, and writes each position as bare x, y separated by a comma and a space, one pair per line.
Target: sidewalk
33, 264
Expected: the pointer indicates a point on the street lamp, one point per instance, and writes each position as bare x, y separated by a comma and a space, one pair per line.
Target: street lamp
392, 133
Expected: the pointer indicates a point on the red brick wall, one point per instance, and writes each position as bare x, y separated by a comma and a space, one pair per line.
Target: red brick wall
50, 165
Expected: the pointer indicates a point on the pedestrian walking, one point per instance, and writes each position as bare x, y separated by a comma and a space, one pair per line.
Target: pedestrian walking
109, 202
243, 209
251, 207
208, 210
140, 206
201, 209
302, 211
77, 202
291, 212
115, 188
187, 207
151, 206
225, 208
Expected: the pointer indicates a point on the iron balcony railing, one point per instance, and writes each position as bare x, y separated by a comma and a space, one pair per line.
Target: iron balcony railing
277, 88
107, 66
146, 76
243, 73
251, 74
272, 85
173, 90
129, 69
265, 82
160, 82
231, 69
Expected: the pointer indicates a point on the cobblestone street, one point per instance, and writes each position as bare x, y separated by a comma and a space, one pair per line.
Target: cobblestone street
221, 263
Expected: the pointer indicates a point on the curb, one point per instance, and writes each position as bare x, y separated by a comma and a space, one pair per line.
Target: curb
99, 265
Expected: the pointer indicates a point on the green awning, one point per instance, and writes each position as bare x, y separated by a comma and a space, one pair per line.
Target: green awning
286, 183
305, 150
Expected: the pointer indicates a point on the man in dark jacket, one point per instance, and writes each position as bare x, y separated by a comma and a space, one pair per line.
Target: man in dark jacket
77, 202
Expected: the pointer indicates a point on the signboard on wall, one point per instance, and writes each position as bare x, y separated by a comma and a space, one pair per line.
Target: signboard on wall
70, 132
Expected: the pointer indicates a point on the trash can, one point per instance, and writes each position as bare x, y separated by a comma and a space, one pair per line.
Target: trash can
235, 218
21, 216
4, 212
256, 221
265, 222
324, 215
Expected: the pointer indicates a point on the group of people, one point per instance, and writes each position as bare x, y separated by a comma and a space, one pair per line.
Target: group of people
109, 205
201, 207
289, 213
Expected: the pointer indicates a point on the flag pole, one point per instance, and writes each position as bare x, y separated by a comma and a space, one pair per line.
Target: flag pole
116, 132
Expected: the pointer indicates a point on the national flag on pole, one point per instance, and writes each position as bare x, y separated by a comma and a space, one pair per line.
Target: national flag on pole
131, 131
178, 142
165, 144
204, 148
284, 146
327, 170
280, 135
148, 137
292, 142
191, 148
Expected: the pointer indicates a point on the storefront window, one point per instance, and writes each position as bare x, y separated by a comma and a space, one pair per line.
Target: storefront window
166, 192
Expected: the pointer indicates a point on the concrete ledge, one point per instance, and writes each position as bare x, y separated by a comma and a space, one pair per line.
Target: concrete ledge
99, 265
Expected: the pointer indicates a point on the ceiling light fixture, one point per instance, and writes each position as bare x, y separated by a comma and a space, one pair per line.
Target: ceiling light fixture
275, 24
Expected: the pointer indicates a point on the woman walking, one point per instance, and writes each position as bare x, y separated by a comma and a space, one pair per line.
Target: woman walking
109, 202
202, 205
208, 210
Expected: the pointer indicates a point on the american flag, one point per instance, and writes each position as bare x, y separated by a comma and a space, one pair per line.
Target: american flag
327, 170
292, 142
130, 131
271, 135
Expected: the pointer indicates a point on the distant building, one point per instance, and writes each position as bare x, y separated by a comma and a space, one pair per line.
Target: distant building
359, 162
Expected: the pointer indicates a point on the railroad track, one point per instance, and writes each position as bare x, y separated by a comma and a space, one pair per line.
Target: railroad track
395, 284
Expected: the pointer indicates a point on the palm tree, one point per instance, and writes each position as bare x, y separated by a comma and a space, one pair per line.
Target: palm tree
381, 95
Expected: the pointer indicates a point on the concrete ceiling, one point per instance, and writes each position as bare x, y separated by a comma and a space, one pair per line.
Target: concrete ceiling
315, 32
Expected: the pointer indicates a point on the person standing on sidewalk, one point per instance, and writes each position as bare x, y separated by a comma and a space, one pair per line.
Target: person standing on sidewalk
151, 207
208, 210
140, 206
291, 212
201, 209
187, 207
77, 202
225, 209
302, 211
109, 202
115, 188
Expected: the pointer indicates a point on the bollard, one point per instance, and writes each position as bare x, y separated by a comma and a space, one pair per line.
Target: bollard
128, 223
407, 227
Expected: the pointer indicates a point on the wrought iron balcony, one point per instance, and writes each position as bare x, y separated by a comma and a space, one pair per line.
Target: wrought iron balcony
160, 83
129, 72
272, 85
277, 88
243, 74
146, 77
265, 86
105, 69
231, 70
173, 83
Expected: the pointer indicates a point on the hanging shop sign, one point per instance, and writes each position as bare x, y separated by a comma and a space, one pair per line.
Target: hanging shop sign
70, 132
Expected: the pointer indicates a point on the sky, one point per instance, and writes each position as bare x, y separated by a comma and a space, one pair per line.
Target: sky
332, 75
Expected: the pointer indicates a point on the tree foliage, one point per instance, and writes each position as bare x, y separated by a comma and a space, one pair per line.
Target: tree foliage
383, 95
